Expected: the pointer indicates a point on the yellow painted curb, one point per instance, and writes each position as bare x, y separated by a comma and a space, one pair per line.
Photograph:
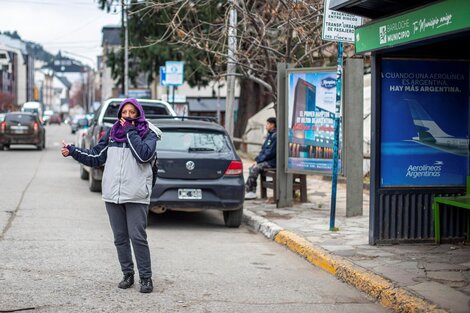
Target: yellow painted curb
381, 289
302, 247
363, 279
400, 300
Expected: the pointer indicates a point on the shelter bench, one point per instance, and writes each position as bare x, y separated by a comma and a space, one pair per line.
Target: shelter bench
462, 202
299, 183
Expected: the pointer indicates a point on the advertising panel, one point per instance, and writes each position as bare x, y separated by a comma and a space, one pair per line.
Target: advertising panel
311, 100
424, 122
437, 19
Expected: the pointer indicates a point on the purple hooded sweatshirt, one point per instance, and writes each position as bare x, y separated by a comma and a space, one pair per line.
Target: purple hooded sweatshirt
118, 131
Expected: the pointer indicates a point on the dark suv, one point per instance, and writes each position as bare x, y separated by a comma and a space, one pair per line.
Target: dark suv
103, 119
22, 128
198, 169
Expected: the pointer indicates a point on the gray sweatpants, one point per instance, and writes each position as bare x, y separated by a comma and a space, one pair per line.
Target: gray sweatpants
128, 222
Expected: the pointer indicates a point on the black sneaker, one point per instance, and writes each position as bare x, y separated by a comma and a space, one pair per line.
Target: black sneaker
127, 281
146, 285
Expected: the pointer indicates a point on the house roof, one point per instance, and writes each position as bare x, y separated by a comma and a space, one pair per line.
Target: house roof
111, 35
63, 64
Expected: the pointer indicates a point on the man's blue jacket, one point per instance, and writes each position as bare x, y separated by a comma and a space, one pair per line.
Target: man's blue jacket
268, 149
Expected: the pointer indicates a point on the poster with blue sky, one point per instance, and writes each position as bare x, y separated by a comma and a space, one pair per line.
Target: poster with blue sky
311, 100
424, 122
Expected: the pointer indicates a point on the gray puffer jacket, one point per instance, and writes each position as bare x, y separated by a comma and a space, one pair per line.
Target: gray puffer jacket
127, 175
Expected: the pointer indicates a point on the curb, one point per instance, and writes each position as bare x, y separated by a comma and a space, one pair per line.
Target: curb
380, 288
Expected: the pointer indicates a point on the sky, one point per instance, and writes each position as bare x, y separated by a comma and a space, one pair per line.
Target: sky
71, 26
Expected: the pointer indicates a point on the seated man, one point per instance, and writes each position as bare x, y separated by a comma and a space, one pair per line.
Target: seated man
265, 159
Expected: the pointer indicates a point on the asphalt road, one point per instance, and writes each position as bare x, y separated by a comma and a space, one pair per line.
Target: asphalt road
57, 253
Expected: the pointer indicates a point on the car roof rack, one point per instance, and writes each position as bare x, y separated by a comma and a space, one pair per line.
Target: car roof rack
200, 118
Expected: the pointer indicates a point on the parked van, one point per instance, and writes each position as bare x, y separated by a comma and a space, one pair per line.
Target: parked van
33, 107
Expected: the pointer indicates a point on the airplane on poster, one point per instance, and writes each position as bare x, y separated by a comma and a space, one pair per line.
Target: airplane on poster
431, 135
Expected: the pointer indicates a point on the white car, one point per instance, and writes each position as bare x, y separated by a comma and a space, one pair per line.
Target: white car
46, 116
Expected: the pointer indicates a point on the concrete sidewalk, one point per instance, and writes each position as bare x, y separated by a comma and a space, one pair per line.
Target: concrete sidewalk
422, 277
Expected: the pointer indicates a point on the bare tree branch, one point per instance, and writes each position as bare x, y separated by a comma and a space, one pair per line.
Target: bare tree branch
269, 32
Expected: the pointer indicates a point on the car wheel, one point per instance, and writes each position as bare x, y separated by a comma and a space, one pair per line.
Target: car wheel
233, 218
39, 147
93, 184
83, 174
2, 147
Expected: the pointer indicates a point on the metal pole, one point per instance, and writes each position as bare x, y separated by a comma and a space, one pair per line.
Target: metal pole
218, 101
284, 179
90, 85
336, 136
173, 96
232, 45
126, 51
84, 92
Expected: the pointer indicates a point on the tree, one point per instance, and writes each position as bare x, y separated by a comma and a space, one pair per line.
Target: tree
146, 56
268, 32
14, 34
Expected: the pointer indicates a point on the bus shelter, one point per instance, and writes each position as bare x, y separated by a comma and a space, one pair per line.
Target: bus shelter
420, 113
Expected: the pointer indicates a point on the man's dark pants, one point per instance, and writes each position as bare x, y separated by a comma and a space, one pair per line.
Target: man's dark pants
254, 171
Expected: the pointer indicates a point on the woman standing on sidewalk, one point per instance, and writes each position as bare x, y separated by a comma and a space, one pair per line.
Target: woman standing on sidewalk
127, 149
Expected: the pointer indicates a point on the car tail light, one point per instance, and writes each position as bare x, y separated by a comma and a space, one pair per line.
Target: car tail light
235, 168
2, 126
101, 134
36, 126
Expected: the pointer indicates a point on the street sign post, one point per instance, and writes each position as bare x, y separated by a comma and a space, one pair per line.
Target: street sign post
174, 75
174, 71
339, 27
163, 76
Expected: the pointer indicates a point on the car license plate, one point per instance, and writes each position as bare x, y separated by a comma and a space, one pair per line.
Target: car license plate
189, 194
19, 129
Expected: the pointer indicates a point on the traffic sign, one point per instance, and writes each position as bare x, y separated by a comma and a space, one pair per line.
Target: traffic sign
339, 26
163, 76
174, 73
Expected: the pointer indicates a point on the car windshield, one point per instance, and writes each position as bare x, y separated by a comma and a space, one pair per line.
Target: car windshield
193, 141
19, 118
31, 110
151, 110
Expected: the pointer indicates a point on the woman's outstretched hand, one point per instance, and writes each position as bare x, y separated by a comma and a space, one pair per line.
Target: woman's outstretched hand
64, 150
